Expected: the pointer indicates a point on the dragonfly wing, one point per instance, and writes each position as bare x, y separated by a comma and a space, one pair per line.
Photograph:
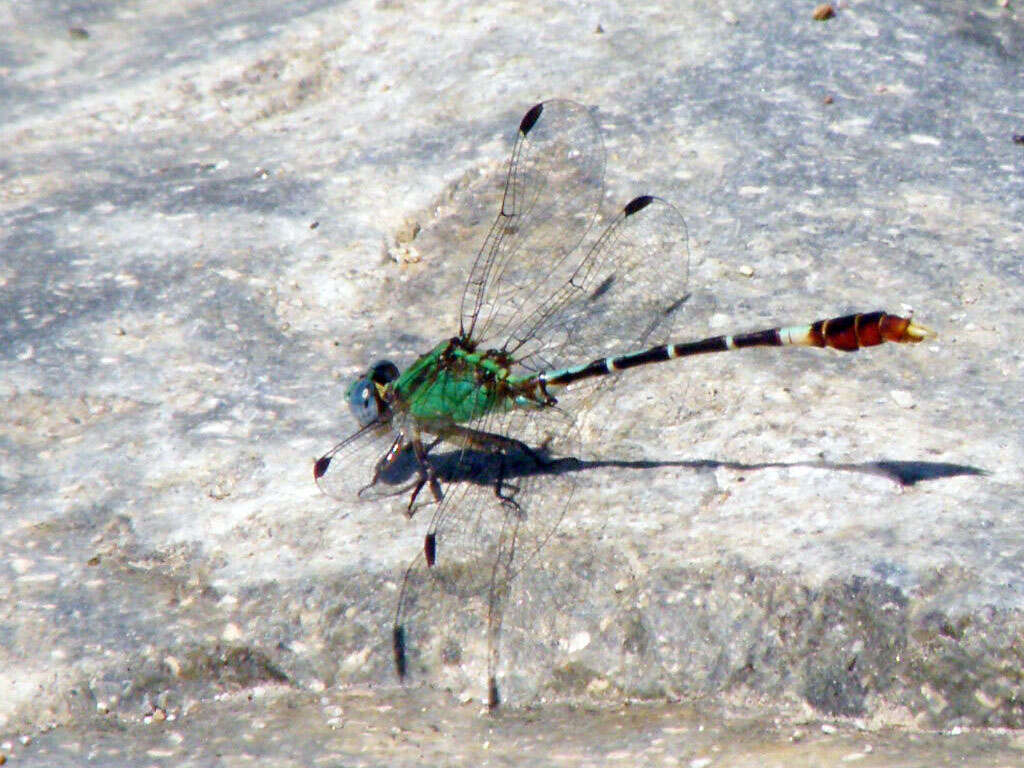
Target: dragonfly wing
439, 626
371, 463
501, 508
626, 293
552, 191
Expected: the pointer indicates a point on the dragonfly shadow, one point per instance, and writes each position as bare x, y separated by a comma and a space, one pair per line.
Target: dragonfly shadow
905, 473
486, 468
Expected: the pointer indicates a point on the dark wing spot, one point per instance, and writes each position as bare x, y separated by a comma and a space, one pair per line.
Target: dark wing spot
530, 118
321, 466
637, 204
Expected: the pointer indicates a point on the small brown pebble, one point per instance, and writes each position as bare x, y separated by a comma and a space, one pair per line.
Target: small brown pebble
3, 758
407, 232
823, 11
828, 100
78, 33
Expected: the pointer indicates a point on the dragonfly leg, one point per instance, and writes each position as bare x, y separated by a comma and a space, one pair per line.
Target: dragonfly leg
503, 446
397, 447
424, 471
549, 399
506, 491
427, 477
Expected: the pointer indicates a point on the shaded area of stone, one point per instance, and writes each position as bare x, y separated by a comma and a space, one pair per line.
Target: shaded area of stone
363, 728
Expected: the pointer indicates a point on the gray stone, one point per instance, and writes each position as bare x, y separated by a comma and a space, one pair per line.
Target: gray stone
204, 233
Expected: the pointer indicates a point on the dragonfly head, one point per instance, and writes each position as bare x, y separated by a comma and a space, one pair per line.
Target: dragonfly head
367, 395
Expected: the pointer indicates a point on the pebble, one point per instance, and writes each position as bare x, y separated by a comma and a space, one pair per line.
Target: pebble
823, 12
902, 398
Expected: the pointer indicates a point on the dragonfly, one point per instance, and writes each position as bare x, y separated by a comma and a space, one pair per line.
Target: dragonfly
551, 312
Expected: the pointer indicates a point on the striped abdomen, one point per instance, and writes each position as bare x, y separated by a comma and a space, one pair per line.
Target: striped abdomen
851, 332
848, 333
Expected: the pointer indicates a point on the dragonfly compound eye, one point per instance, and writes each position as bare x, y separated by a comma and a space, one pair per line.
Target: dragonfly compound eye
362, 401
363, 398
384, 372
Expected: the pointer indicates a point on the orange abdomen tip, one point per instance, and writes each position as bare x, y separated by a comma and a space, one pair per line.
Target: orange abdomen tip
904, 330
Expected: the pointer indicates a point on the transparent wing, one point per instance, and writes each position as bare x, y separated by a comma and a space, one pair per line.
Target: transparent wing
552, 191
552, 304
500, 509
373, 462
625, 294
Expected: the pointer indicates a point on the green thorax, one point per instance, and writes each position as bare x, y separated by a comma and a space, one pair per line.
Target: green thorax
454, 383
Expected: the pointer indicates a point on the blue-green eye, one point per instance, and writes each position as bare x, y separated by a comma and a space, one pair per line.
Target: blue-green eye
363, 399
383, 372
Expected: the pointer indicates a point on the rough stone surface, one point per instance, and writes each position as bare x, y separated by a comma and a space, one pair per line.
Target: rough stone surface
212, 215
